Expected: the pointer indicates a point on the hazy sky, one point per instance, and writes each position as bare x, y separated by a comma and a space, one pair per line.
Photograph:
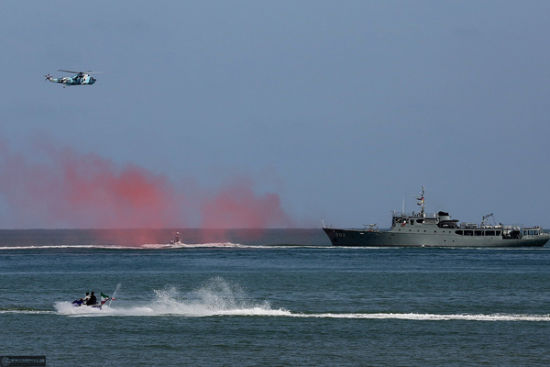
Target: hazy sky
337, 109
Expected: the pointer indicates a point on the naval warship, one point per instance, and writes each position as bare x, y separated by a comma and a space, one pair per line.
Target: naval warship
438, 230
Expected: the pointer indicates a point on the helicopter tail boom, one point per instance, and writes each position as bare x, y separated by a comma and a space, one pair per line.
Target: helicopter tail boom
50, 78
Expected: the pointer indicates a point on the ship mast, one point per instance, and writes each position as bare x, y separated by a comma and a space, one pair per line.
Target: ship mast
420, 202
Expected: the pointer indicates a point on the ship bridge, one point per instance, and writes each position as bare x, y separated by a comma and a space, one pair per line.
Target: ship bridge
440, 219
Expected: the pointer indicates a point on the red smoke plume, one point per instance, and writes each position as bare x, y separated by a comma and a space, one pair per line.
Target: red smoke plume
66, 189
238, 207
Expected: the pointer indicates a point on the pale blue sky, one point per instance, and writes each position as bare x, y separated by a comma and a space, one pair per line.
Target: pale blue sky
342, 108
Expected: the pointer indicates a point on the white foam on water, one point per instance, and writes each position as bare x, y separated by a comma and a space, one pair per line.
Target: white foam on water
220, 298
158, 246
222, 245
40, 247
28, 312
197, 309
192, 245
216, 298
429, 317
147, 246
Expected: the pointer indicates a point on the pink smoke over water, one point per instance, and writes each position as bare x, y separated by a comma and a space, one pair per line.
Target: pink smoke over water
61, 188
236, 205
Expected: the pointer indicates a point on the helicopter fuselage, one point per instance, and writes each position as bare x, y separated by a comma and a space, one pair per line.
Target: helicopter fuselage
80, 79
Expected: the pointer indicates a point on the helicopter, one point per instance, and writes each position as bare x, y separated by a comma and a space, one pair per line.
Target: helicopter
81, 78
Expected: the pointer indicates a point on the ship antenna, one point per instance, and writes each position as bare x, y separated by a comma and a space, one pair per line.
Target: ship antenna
420, 201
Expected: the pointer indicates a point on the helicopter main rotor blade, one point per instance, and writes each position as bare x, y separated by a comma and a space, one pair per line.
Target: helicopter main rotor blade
78, 72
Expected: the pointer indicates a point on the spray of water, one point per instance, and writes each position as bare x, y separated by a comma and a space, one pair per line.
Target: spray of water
113, 296
218, 298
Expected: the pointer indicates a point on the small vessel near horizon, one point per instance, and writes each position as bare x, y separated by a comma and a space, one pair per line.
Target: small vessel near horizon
176, 240
437, 230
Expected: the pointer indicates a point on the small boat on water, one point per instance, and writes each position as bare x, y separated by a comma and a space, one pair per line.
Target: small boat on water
438, 230
176, 240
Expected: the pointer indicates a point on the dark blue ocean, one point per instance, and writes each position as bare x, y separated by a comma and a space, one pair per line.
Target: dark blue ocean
271, 298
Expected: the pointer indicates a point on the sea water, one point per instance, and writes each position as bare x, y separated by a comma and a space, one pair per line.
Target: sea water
274, 298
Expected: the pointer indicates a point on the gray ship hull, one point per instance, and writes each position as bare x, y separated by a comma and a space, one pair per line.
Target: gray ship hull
438, 238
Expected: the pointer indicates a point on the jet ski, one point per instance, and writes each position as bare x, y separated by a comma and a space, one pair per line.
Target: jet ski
80, 303
92, 301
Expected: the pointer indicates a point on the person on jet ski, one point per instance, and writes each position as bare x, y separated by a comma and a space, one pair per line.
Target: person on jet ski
82, 301
92, 301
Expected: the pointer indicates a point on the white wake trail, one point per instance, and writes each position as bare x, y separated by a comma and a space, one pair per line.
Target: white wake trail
428, 316
28, 312
221, 298
201, 310
159, 246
